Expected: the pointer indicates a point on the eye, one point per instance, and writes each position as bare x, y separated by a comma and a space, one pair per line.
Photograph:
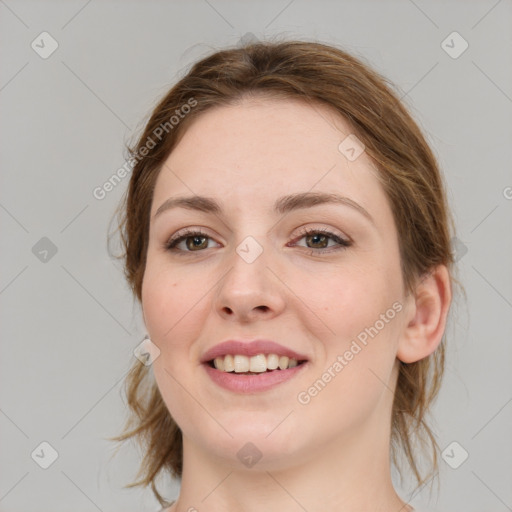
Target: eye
194, 239
319, 241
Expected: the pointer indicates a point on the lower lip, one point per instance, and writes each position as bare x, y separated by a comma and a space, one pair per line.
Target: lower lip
240, 383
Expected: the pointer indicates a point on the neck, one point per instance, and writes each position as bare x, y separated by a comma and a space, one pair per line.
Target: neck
352, 475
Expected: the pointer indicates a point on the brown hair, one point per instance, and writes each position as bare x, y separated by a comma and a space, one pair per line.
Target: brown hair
409, 174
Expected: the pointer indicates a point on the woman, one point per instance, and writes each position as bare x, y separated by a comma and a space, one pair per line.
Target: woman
287, 234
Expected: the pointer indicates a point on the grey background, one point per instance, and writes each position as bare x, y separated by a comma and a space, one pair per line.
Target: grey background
68, 323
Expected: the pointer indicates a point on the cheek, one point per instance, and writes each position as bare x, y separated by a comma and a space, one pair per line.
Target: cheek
158, 306
171, 306
168, 301
355, 380
351, 298
175, 306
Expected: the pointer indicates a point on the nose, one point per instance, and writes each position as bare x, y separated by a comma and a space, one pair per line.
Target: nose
250, 290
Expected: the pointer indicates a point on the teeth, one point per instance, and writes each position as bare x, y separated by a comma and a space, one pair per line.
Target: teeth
283, 362
256, 364
229, 364
241, 364
272, 361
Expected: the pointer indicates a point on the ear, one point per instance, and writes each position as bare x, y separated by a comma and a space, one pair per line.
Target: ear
428, 312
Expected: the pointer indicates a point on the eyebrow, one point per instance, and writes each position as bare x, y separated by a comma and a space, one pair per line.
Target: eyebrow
282, 206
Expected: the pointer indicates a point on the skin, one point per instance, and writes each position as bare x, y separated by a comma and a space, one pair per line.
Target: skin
333, 452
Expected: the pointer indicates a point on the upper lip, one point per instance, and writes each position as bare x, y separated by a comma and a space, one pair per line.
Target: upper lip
250, 348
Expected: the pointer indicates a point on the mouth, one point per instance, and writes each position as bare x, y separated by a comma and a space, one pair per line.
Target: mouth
252, 366
242, 374
240, 364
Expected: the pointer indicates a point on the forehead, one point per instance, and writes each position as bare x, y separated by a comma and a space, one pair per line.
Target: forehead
264, 148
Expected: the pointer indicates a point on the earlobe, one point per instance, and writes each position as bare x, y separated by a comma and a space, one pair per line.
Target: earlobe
425, 329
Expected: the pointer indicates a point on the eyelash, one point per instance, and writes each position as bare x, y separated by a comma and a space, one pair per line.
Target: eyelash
189, 233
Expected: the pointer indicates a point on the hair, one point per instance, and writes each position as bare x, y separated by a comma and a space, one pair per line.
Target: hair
407, 169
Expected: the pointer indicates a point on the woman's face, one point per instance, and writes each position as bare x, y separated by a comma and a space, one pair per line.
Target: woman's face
335, 296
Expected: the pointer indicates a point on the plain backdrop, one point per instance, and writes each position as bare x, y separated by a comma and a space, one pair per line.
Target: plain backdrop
68, 323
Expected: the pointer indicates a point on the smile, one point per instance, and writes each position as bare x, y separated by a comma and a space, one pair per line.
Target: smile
259, 363
242, 380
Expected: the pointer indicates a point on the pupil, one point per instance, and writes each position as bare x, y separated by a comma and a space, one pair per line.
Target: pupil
316, 237
196, 241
